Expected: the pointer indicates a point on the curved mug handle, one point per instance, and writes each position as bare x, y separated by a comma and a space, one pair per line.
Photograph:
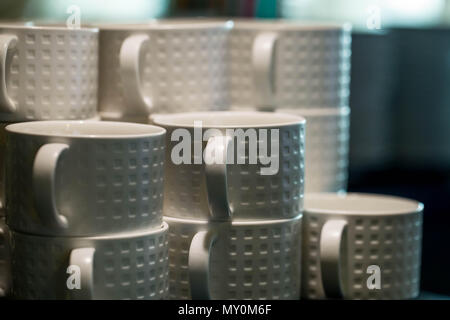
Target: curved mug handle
7, 43
135, 100
263, 63
44, 171
215, 156
199, 264
83, 258
332, 239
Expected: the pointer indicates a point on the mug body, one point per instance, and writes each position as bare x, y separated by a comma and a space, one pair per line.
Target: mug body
288, 64
80, 178
129, 266
179, 67
359, 246
50, 73
2, 166
251, 193
326, 148
247, 260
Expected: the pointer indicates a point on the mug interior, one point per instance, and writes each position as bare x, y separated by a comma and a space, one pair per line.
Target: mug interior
358, 203
227, 119
89, 129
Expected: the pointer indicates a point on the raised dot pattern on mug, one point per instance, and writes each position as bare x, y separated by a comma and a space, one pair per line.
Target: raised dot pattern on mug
327, 143
181, 70
247, 262
116, 186
393, 243
312, 68
129, 268
278, 196
251, 195
53, 75
189, 72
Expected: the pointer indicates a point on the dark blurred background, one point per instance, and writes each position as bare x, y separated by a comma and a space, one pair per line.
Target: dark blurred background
400, 91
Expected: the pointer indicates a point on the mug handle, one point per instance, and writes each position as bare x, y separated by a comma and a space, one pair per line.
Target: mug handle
199, 258
7, 42
84, 259
216, 178
6, 276
263, 56
130, 51
332, 238
44, 171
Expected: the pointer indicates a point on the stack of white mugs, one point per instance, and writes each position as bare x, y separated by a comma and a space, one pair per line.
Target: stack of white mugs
218, 171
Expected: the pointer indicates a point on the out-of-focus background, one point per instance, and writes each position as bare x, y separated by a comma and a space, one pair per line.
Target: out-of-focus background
400, 90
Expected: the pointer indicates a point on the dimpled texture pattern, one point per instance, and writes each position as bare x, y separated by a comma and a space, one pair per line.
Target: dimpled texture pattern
326, 148
392, 242
102, 186
327, 144
53, 74
181, 69
251, 195
4, 260
311, 68
134, 267
247, 261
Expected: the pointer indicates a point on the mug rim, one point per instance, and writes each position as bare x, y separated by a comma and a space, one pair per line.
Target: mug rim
43, 129
107, 237
233, 223
288, 24
316, 112
32, 25
328, 203
175, 120
165, 24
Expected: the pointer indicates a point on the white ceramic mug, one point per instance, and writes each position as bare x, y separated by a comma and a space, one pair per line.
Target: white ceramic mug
166, 66
47, 72
197, 186
234, 260
127, 266
5, 275
361, 246
326, 148
288, 64
2, 161
80, 178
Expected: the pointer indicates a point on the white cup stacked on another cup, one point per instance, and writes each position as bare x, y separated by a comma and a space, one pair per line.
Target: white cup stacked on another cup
84, 210
46, 73
233, 201
301, 69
